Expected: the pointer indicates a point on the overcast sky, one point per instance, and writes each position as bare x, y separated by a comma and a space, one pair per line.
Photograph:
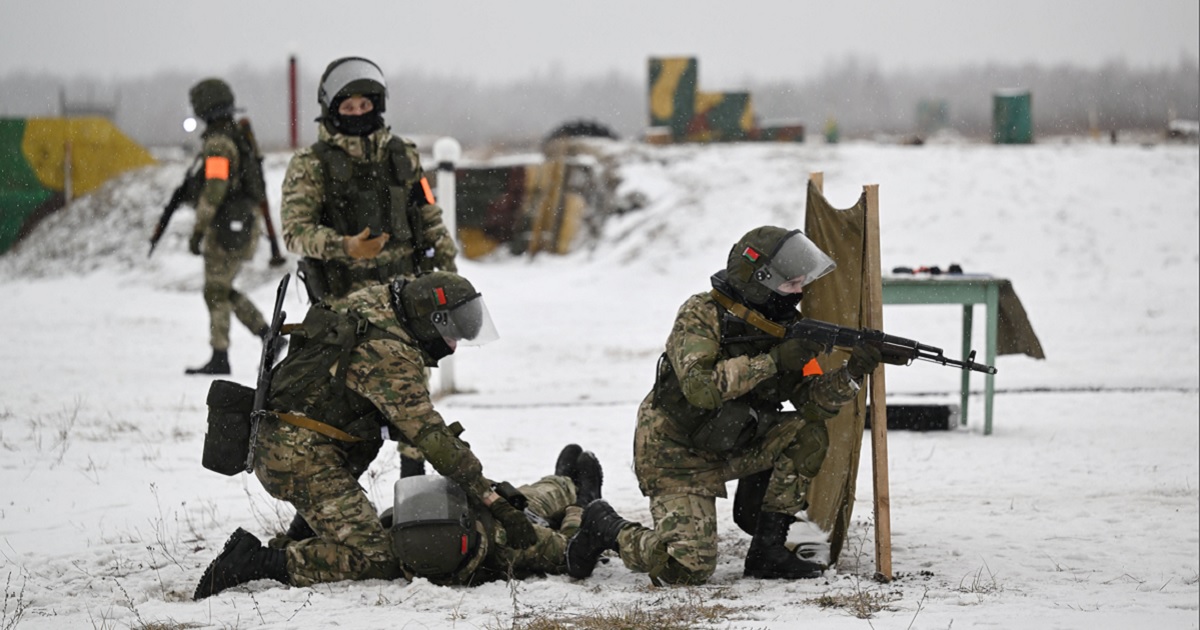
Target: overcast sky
500, 40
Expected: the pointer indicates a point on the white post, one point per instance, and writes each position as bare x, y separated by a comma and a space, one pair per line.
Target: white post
446, 152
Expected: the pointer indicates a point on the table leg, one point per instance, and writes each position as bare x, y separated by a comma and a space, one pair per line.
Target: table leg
993, 322
968, 320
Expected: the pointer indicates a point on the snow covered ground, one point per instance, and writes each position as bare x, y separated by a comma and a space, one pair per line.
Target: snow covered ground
1080, 511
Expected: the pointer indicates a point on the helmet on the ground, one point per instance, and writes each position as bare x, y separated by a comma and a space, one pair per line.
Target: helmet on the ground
211, 99
772, 260
350, 76
433, 526
443, 305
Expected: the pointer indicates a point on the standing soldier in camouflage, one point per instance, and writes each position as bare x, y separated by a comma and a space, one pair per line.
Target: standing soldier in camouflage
716, 414
227, 222
348, 374
448, 538
356, 204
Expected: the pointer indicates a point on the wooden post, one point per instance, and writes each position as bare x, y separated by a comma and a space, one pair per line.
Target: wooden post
818, 178
872, 276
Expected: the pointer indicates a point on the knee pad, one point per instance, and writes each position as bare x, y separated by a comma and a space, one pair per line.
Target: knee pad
808, 452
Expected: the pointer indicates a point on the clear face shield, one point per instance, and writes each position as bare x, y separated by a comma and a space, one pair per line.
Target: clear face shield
346, 73
468, 324
795, 263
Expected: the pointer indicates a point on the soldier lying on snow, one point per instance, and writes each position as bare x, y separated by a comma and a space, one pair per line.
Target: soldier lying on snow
440, 532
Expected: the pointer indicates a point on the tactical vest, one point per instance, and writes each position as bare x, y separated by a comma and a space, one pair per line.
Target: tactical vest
306, 382
736, 422
247, 189
376, 196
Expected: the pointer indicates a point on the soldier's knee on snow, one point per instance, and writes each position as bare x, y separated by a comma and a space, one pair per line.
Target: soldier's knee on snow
676, 573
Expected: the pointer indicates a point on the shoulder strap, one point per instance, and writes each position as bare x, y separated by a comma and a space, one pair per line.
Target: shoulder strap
749, 315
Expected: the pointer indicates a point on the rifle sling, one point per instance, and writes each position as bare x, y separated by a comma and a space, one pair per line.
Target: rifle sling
315, 425
749, 315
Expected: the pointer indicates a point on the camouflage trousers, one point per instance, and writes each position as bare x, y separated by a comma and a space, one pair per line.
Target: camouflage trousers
553, 499
683, 484
220, 268
319, 477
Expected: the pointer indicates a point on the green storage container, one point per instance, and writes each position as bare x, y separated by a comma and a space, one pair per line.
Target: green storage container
1012, 117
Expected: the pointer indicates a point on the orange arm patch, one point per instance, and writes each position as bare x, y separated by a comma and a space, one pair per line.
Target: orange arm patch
812, 368
216, 167
428, 191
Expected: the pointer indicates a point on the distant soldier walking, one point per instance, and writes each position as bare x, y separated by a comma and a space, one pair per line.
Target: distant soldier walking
227, 224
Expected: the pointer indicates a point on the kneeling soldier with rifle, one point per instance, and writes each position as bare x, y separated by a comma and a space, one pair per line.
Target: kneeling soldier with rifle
716, 413
348, 373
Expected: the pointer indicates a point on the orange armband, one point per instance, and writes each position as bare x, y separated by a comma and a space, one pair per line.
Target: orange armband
428, 191
216, 167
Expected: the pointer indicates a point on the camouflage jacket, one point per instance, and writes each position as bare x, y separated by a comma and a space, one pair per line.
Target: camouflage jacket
214, 193
388, 371
707, 373
307, 233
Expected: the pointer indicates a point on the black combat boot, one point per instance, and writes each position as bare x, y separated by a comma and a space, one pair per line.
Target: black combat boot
565, 465
244, 559
218, 364
588, 478
597, 532
769, 559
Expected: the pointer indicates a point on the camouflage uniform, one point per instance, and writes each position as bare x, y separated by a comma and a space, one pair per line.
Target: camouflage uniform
681, 477
319, 474
307, 228
216, 208
552, 498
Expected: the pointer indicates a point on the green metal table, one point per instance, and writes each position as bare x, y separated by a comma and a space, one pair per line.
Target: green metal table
967, 290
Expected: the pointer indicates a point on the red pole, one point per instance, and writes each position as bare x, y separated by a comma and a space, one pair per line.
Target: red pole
292, 115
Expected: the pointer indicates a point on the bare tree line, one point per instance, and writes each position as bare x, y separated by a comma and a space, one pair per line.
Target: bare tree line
862, 99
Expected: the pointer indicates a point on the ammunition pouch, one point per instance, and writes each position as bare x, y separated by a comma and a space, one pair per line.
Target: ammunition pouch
310, 272
227, 440
234, 224
735, 425
325, 279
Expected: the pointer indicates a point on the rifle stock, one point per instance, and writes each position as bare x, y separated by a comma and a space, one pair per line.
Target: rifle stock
263, 386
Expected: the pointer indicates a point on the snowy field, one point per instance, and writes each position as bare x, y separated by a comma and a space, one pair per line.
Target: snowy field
1080, 511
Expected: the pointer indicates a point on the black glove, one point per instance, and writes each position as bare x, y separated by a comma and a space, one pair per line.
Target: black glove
520, 531
511, 494
863, 360
793, 354
194, 242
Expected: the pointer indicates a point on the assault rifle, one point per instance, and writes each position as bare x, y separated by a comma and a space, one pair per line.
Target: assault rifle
263, 386
187, 192
895, 350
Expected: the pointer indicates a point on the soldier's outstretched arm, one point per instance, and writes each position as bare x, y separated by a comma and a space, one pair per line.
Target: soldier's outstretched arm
389, 374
